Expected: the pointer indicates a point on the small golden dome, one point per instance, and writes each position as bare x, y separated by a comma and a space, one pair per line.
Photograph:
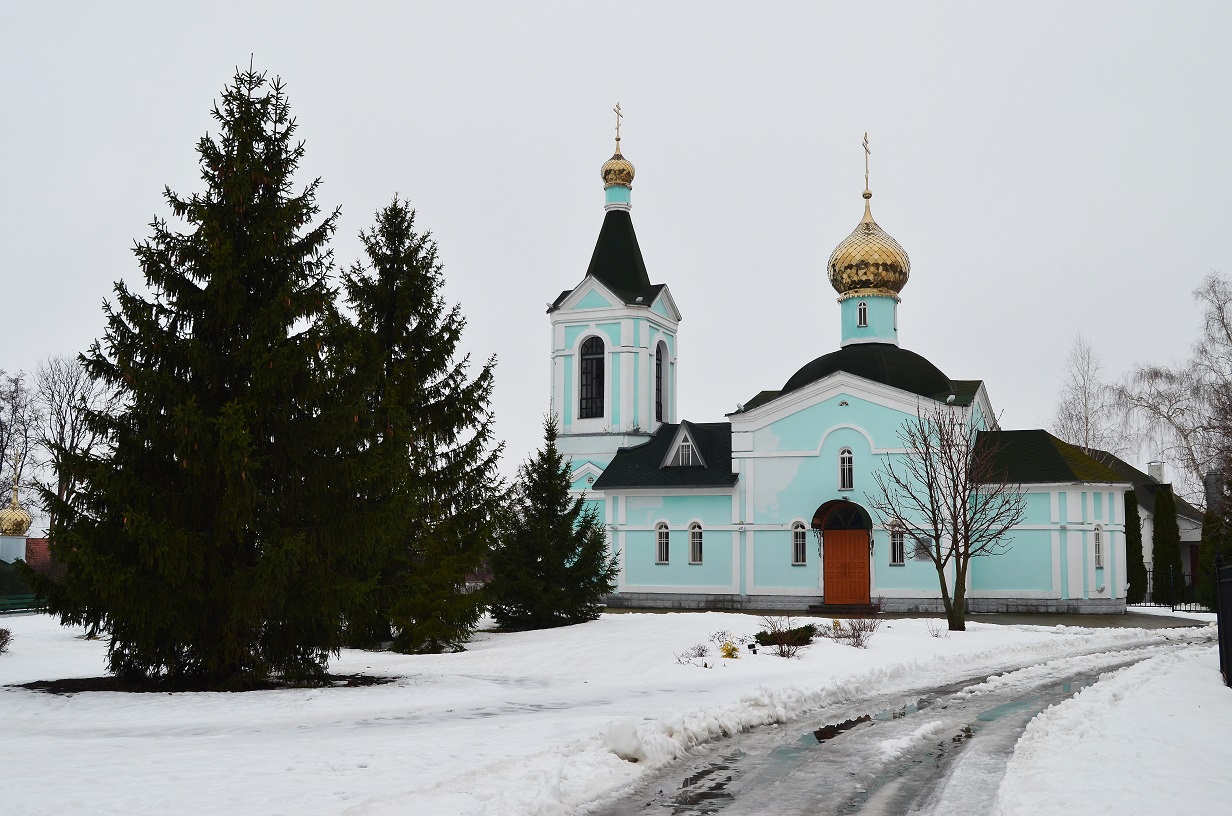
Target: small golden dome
617, 170
14, 520
869, 261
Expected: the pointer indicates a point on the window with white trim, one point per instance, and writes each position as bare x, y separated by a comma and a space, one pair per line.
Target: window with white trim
663, 544
685, 456
846, 469
590, 387
1097, 539
898, 549
799, 540
695, 543
660, 353
862, 315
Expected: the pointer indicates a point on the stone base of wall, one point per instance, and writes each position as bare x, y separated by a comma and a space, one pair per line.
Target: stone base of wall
686, 600
801, 603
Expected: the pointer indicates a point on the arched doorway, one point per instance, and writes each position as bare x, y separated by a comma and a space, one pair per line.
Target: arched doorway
845, 528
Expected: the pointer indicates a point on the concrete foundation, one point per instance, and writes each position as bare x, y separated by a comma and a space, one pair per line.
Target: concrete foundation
801, 603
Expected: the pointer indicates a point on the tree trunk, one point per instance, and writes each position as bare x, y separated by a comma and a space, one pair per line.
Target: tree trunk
957, 614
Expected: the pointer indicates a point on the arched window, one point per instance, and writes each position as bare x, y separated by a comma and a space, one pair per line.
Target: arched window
846, 470
1097, 538
662, 542
799, 555
659, 385
695, 543
862, 314
591, 386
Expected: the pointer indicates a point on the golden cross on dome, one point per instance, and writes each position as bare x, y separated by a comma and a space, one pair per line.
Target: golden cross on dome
867, 153
619, 116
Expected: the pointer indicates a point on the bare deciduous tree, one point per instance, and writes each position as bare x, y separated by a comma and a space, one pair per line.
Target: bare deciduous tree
65, 396
949, 486
1184, 413
20, 422
1087, 413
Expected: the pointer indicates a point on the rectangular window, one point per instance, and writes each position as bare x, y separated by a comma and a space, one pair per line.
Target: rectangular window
664, 551
798, 540
1099, 549
684, 454
695, 544
898, 556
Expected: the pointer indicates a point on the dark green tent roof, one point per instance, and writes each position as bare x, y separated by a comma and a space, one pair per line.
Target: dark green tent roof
642, 465
1038, 456
617, 263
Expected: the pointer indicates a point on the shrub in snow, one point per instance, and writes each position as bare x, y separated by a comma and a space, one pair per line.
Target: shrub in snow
695, 652
855, 632
5, 637
730, 650
938, 629
782, 635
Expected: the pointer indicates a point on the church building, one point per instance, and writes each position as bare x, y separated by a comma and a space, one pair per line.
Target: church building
768, 509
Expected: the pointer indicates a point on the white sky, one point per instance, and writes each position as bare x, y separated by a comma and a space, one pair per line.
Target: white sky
1050, 167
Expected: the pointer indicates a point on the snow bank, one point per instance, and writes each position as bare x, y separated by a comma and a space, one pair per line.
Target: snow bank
1152, 738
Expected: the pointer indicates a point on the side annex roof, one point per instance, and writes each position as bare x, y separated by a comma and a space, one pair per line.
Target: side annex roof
643, 465
1037, 456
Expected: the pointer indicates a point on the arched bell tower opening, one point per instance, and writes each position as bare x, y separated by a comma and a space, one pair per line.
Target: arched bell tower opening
846, 533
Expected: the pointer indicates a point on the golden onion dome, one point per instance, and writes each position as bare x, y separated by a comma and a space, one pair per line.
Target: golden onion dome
617, 170
14, 519
868, 261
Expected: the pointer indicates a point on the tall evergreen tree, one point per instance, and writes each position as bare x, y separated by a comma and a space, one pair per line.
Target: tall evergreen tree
552, 566
1135, 566
1215, 542
1168, 577
431, 486
208, 540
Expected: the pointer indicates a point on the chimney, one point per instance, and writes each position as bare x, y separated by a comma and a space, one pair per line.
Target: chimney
1212, 487
1156, 471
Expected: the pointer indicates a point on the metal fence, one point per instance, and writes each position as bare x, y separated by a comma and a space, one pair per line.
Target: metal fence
1186, 595
1223, 610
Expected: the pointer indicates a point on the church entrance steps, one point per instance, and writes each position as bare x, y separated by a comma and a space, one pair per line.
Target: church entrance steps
844, 610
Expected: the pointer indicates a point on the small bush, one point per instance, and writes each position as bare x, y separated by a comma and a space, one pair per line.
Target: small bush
730, 650
938, 629
696, 652
855, 632
804, 634
782, 635
5, 637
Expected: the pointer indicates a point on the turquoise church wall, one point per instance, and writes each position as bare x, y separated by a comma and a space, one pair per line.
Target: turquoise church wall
1027, 566
882, 320
772, 566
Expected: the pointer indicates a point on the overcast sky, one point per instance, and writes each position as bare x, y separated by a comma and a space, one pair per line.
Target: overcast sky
1049, 167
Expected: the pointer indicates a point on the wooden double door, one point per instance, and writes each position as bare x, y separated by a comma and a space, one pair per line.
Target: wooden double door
845, 570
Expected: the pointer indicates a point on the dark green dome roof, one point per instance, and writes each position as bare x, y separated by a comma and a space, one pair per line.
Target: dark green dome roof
885, 363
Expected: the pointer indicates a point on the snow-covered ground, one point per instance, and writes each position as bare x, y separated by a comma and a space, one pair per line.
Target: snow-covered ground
1153, 738
538, 722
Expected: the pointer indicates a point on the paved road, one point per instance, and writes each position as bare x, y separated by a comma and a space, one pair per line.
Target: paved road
940, 750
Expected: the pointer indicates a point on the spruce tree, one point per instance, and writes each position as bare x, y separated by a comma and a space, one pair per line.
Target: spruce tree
552, 565
1168, 577
1135, 566
430, 486
208, 540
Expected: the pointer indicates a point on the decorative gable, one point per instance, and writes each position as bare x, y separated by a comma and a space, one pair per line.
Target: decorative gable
684, 451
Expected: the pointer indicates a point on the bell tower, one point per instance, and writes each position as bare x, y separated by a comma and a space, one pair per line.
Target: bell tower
614, 341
